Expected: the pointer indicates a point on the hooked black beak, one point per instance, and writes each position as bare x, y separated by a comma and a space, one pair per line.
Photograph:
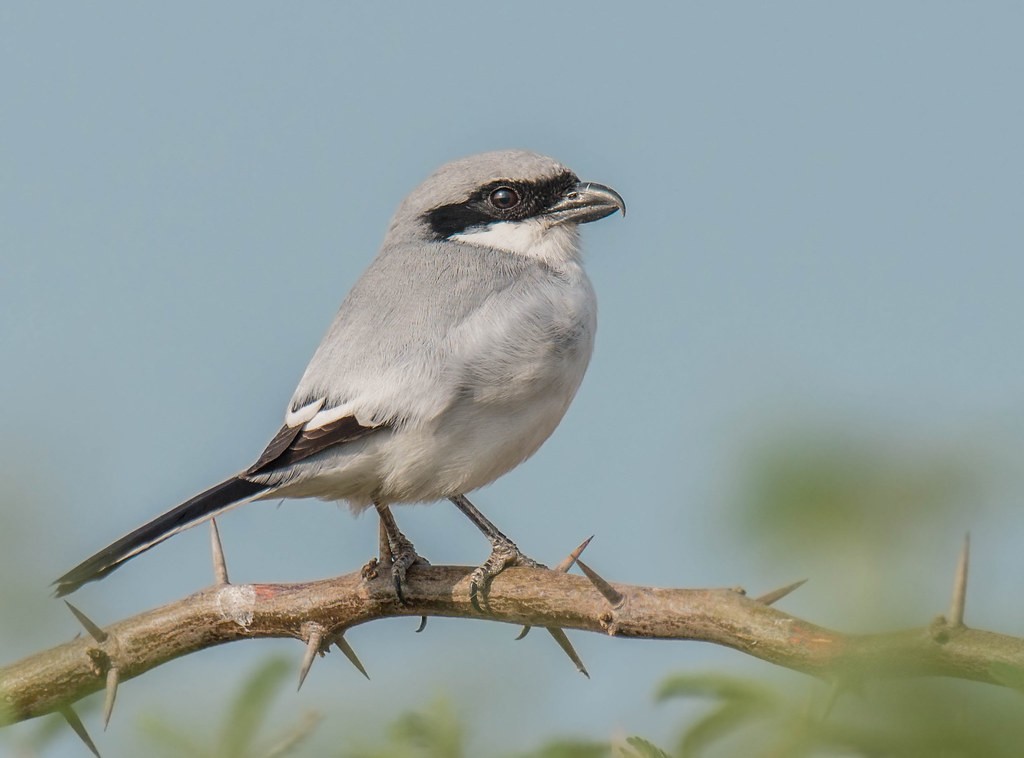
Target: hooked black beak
585, 202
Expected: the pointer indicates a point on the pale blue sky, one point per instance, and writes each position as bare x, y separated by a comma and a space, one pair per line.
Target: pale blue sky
825, 228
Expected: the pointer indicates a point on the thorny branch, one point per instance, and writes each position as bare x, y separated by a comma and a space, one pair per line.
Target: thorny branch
319, 613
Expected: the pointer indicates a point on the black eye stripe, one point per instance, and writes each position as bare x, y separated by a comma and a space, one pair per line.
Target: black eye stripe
477, 210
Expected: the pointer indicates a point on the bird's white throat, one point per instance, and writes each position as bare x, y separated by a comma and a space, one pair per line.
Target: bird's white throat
533, 238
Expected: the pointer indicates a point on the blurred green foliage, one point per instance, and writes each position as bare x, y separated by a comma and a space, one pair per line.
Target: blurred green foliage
744, 717
434, 732
240, 724
869, 518
39, 738
819, 490
921, 717
1011, 676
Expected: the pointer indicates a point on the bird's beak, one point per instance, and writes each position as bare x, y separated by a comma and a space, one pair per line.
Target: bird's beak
586, 202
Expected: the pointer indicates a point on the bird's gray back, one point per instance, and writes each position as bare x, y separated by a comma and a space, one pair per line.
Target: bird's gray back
388, 348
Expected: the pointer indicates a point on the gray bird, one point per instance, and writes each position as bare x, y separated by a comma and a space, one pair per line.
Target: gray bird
451, 361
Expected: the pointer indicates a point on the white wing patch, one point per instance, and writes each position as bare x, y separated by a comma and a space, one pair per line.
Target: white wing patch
300, 416
330, 415
310, 416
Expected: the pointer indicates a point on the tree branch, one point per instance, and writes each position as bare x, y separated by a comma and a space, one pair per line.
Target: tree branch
318, 613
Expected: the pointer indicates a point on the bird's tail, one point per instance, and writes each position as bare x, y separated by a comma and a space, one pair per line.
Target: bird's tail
226, 495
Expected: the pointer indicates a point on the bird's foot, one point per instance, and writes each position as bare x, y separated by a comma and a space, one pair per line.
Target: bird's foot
504, 554
403, 555
396, 552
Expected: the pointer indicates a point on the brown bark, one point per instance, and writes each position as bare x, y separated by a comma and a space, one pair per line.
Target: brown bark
321, 611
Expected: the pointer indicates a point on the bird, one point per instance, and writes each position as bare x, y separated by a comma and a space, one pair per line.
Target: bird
451, 360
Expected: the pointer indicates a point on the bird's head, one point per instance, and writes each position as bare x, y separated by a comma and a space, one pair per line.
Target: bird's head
512, 200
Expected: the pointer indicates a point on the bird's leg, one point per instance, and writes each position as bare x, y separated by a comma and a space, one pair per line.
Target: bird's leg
504, 552
400, 551
383, 558
383, 544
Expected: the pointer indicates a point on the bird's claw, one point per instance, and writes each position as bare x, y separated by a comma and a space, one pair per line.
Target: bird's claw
504, 554
402, 558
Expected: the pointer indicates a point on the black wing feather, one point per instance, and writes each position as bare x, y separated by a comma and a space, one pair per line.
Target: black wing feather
295, 443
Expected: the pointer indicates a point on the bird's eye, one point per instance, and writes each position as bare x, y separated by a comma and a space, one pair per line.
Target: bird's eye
504, 198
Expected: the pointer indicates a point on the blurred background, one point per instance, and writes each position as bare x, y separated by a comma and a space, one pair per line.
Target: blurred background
809, 358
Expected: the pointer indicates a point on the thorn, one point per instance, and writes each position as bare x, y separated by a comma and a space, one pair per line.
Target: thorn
316, 636
567, 563
830, 700
346, 648
956, 609
79, 728
574, 556
770, 598
220, 566
94, 631
611, 594
113, 679
567, 648
423, 624
556, 633
842, 684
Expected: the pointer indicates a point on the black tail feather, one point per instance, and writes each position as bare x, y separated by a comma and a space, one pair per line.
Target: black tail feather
201, 507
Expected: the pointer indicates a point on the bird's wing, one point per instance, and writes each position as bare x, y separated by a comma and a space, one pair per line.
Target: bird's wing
387, 352
387, 358
294, 443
